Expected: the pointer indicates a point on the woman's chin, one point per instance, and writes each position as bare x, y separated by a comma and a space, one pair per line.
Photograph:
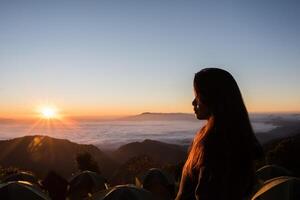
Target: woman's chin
201, 117
197, 116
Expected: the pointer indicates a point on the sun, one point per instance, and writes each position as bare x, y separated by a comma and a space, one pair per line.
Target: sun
48, 112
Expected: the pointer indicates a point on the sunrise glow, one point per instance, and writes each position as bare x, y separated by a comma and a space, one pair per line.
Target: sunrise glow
49, 112
96, 62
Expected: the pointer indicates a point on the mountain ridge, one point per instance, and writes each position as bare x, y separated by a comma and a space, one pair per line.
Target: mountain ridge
43, 153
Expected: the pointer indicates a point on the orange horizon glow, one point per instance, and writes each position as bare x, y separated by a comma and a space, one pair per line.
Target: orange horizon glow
60, 111
108, 116
49, 120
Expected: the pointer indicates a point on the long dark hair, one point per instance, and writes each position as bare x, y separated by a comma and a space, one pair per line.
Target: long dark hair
228, 130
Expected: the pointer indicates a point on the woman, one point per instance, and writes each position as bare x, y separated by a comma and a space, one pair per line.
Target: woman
220, 164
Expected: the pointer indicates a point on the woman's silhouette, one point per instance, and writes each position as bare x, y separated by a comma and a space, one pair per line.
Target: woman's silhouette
220, 164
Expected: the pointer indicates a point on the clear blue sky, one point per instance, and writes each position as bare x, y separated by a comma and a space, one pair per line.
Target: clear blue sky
126, 57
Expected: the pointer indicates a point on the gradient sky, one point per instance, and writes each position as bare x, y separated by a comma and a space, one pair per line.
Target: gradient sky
126, 57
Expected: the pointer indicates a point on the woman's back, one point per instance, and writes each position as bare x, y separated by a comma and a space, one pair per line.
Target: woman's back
225, 174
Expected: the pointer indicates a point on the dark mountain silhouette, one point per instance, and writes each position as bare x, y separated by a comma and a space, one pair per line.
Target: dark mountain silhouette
134, 167
284, 152
41, 154
148, 116
160, 152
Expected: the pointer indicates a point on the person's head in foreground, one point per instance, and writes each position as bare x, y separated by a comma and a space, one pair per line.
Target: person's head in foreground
220, 164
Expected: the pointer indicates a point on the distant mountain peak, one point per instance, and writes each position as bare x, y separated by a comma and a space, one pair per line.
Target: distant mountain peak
160, 113
146, 113
152, 116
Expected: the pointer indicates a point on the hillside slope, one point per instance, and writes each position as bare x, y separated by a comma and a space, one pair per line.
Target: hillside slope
42, 153
160, 152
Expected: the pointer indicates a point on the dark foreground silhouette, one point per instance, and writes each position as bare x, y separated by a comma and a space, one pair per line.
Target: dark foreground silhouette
277, 175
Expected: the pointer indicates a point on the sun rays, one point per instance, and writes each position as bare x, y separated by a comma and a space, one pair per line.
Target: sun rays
50, 121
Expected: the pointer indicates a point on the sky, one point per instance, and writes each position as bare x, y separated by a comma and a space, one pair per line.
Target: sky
106, 58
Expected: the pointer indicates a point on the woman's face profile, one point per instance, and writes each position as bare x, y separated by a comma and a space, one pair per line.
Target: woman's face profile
201, 110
